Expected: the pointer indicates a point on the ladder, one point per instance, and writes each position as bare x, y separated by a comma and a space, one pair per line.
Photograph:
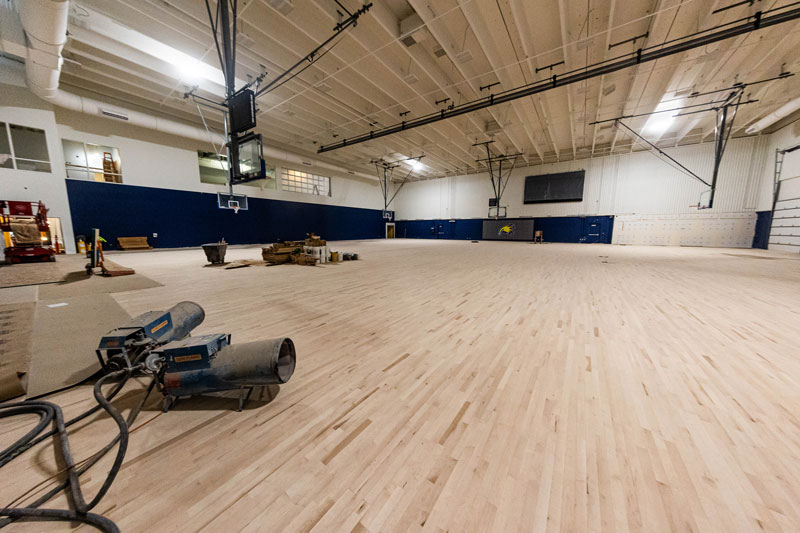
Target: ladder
109, 173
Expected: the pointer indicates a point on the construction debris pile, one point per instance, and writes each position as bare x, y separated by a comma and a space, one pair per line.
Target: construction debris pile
308, 252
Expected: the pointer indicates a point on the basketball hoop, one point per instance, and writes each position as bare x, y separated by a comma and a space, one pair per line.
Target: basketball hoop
233, 204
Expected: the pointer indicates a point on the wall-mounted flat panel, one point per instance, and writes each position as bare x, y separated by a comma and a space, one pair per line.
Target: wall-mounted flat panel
520, 229
558, 187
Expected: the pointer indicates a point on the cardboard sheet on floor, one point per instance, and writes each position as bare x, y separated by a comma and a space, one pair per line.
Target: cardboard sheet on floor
30, 274
15, 336
81, 284
65, 338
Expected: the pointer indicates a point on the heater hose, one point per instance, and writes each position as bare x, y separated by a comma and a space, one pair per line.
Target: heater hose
51, 413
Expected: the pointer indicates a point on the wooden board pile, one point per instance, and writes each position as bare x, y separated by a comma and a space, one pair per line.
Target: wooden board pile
282, 252
307, 252
315, 240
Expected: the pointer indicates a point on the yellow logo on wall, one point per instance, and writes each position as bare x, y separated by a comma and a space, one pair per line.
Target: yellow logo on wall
508, 229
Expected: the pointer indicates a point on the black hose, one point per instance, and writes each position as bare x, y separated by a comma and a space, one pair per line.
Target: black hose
50, 412
18, 448
100, 522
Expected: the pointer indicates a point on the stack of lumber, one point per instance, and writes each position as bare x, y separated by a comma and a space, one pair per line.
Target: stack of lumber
304, 259
133, 243
287, 252
281, 252
315, 240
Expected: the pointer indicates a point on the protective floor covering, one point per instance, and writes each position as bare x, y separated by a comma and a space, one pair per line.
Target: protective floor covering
30, 274
81, 284
65, 337
15, 331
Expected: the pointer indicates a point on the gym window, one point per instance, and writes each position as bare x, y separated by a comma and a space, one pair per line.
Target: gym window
23, 148
214, 169
92, 162
304, 182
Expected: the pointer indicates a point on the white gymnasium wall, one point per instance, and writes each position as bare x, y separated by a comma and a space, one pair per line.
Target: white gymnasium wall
152, 159
639, 183
149, 159
785, 234
19, 107
718, 230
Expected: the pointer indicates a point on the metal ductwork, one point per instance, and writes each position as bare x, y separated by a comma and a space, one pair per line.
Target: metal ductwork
783, 111
45, 25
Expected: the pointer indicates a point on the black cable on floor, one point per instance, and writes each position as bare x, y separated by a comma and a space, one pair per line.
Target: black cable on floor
48, 413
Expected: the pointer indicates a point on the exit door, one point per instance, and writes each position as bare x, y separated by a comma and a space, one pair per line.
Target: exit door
444, 229
595, 229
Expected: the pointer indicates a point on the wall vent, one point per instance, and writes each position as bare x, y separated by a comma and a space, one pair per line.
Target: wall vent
410, 30
438, 51
492, 127
242, 39
464, 56
608, 89
284, 7
114, 114
307, 163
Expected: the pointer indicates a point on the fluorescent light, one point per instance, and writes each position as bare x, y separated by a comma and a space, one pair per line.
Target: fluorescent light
416, 164
189, 71
186, 67
662, 119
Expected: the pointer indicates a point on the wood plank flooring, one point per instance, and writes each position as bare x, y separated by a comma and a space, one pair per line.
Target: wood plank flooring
451, 386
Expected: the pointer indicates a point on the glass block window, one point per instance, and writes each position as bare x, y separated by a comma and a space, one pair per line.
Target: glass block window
305, 182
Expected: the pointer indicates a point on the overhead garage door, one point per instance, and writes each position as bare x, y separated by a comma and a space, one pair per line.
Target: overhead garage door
784, 234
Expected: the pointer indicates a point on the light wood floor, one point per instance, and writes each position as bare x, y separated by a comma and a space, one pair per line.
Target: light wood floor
450, 386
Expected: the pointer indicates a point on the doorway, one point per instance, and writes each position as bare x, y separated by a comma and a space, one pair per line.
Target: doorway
390, 230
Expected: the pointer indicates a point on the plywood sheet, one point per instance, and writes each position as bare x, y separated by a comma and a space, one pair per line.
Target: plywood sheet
65, 334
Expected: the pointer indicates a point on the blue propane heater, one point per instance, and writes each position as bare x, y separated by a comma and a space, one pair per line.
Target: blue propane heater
160, 342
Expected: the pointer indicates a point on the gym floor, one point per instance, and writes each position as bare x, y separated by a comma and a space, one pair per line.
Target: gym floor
452, 386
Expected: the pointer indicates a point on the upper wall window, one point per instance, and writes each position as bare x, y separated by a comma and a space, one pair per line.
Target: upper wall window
299, 181
23, 148
93, 162
214, 169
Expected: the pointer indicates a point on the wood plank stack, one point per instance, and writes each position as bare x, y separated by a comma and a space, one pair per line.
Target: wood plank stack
282, 252
315, 240
133, 243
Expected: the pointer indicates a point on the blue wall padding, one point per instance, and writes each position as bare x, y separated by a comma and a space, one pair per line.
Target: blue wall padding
763, 223
556, 229
185, 218
466, 229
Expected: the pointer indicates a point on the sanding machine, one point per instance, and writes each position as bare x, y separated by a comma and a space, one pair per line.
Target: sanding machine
187, 366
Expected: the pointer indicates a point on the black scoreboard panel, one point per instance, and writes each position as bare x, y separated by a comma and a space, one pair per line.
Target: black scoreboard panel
559, 187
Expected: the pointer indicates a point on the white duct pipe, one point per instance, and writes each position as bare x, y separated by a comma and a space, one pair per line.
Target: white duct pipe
45, 25
783, 111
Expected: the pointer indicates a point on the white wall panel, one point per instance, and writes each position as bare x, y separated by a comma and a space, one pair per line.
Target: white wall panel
637, 183
785, 230
734, 230
27, 185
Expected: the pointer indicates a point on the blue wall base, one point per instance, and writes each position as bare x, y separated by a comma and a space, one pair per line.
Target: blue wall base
185, 218
556, 229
